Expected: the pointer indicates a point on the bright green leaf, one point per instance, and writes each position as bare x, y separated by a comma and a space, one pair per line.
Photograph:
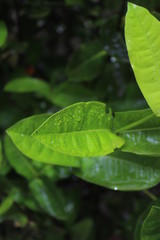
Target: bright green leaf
3, 33
21, 135
143, 44
121, 171
81, 130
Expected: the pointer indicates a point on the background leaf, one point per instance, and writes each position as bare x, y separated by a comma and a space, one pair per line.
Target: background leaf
86, 63
19, 162
148, 225
3, 33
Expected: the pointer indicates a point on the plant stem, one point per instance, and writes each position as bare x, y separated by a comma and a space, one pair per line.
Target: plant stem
134, 124
150, 195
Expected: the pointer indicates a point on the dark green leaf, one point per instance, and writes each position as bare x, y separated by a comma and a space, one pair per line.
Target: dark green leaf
3, 33
121, 171
19, 162
149, 225
140, 130
28, 84
50, 199
87, 62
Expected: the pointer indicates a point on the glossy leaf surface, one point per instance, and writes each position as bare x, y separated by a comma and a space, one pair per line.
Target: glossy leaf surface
80, 130
21, 135
121, 171
143, 41
140, 130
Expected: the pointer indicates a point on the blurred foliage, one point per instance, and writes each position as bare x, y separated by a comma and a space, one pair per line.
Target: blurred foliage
62, 51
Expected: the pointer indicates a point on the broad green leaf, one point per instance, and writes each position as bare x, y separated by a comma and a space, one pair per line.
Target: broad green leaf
50, 199
81, 130
87, 62
69, 93
1, 156
148, 225
140, 130
19, 162
21, 135
143, 44
83, 230
121, 171
3, 33
28, 84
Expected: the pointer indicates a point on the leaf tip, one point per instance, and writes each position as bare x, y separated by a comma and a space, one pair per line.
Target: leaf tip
131, 6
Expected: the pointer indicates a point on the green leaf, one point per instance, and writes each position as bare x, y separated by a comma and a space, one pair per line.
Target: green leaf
87, 62
81, 130
83, 230
141, 131
51, 199
69, 93
19, 162
148, 225
74, 2
28, 84
1, 155
3, 33
121, 171
21, 135
6, 204
143, 44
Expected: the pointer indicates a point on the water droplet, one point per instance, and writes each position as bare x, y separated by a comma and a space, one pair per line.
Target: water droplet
113, 59
22, 134
115, 188
69, 207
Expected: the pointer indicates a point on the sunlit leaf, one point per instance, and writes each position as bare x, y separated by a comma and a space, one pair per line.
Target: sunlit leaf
80, 130
21, 135
143, 41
